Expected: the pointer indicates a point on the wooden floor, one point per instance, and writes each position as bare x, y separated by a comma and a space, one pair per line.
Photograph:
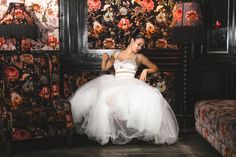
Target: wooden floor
189, 145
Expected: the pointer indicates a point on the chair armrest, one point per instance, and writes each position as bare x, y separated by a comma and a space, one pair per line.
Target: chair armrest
71, 82
164, 82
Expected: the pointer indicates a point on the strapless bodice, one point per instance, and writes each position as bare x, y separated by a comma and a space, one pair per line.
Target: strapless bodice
126, 68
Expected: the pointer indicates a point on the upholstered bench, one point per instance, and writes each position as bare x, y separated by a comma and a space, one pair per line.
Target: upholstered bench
216, 122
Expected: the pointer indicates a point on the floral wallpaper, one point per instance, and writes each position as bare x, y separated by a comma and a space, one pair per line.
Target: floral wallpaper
45, 13
110, 22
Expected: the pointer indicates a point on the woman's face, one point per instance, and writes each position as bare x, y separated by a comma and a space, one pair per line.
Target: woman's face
137, 44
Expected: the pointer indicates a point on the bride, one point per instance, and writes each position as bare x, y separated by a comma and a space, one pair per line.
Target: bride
121, 107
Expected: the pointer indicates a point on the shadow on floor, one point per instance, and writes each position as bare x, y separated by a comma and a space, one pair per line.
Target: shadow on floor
197, 145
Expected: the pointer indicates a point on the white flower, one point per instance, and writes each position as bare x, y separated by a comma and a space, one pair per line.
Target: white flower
108, 16
161, 17
158, 8
106, 7
123, 11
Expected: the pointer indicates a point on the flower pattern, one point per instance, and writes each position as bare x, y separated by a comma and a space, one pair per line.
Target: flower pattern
116, 19
216, 122
30, 96
45, 14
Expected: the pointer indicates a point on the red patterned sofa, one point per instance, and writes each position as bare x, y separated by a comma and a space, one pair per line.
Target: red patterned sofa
216, 122
31, 105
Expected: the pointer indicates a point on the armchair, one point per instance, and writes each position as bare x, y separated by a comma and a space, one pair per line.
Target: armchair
164, 81
31, 106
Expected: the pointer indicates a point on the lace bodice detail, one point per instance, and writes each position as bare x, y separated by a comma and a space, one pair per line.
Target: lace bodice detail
126, 68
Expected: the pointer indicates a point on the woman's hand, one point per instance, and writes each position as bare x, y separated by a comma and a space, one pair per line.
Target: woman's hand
107, 61
105, 57
143, 75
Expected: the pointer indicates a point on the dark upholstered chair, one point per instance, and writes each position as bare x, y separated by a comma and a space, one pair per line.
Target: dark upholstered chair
31, 106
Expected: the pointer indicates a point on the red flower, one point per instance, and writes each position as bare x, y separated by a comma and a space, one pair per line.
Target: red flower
21, 135
124, 24
55, 90
227, 152
147, 5
25, 44
45, 93
18, 14
11, 73
223, 129
27, 58
203, 114
94, 5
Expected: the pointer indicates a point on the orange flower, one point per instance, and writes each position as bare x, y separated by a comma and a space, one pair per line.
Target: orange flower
52, 41
94, 5
11, 73
138, 1
192, 17
161, 43
50, 11
2, 41
16, 100
36, 7
124, 24
109, 43
177, 15
147, 5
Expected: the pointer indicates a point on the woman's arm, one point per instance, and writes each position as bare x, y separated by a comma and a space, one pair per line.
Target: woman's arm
151, 67
107, 62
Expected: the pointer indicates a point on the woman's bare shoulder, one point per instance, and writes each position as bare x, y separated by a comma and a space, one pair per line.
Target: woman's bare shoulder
141, 56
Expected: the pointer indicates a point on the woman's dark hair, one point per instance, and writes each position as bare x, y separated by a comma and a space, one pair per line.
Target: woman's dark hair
137, 34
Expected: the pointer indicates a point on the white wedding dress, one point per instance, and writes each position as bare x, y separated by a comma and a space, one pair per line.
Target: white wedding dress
120, 107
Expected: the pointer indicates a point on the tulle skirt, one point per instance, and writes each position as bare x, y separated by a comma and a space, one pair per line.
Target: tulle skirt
120, 109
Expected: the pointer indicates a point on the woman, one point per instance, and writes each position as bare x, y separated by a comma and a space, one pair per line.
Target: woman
120, 107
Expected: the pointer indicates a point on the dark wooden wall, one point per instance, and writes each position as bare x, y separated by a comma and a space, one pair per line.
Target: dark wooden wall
208, 76
211, 75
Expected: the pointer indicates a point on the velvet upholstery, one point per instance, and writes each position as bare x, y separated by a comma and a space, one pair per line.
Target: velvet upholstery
31, 105
216, 122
